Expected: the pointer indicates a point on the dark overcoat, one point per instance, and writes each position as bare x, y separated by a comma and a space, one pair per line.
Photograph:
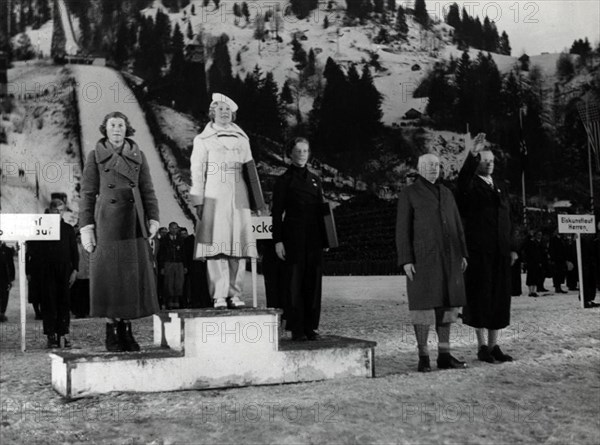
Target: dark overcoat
296, 213
298, 223
117, 196
430, 235
7, 266
490, 239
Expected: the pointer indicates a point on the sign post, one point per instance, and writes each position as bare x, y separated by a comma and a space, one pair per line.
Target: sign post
262, 228
577, 224
27, 227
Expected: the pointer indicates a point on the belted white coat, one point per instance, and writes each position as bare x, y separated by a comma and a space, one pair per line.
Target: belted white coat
218, 184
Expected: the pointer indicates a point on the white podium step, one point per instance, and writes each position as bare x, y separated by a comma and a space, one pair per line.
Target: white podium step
207, 348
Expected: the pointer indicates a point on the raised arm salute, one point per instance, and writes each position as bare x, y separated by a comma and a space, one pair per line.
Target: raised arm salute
485, 209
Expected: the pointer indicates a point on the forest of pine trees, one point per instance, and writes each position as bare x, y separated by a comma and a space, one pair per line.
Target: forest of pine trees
473, 91
470, 32
22, 13
346, 119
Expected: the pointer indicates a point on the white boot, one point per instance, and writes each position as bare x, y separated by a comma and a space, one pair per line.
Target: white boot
220, 303
236, 302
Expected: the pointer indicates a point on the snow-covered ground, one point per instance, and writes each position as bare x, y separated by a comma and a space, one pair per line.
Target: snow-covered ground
41, 38
102, 90
180, 127
550, 394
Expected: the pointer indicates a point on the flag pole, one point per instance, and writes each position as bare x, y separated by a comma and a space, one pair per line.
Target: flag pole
521, 141
589, 150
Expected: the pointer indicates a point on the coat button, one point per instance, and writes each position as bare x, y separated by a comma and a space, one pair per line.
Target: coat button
135, 168
131, 200
112, 201
107, 169
111, 186
131, 184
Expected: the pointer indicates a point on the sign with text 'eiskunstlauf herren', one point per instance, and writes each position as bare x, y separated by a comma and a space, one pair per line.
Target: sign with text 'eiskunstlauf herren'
29, 227
576, 224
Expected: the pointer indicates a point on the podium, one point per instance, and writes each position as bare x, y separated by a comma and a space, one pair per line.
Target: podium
211, 348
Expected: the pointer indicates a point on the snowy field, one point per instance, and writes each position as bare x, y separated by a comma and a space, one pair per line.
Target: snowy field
550, 394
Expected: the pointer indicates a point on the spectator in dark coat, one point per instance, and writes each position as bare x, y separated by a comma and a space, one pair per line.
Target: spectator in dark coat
431, 248
572, 267
171, 267
485, 209
545, 272
55, 270
198, 293
558, 261
7, 276
80, 292
299, 236
155, 243
34, 290
533, 257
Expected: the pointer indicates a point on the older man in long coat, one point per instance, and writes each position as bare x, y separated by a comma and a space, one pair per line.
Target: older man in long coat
432, 250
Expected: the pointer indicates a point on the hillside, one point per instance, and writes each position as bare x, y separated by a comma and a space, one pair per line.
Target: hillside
41, 154
402, 64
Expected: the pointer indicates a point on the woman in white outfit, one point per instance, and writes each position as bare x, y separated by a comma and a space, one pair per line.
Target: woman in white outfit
224, 233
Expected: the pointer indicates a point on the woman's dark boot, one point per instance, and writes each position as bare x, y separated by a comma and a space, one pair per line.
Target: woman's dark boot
53, 341
112, 338
126, 336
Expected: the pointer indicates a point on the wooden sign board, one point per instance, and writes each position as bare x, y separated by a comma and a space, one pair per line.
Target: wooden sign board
29, 227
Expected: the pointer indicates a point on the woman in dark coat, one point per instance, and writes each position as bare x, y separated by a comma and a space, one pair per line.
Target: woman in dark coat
118, 213
299, 236
431, 249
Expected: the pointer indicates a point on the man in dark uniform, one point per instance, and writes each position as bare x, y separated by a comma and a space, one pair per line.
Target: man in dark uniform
56, 264
7, 276
299, 236
485, 209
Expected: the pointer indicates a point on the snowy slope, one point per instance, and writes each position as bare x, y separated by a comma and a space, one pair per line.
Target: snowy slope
102, 90
38, 140
41, 38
